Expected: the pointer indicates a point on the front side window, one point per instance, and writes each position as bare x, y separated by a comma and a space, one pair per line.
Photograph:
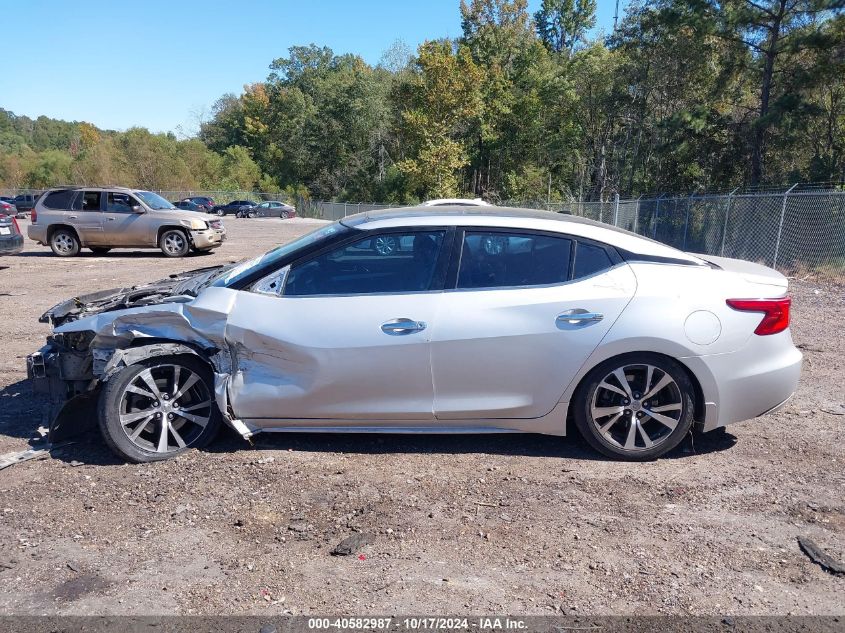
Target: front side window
383, 263
500, 259
120, 202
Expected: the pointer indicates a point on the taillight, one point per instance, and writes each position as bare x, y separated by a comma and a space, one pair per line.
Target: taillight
33, 216
775, 313
15, 222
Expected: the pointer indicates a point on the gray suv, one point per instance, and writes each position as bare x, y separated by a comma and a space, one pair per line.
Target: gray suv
102, 218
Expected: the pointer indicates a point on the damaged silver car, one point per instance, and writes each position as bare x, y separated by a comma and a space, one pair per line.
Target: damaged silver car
483, 320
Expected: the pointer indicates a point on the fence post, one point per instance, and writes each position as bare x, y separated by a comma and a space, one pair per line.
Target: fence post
780, 226
686, 220
637, 214
344, 209
616, 210
725, 227
654, 217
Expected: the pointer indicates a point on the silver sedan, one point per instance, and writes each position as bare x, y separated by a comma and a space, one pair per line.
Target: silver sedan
486, 320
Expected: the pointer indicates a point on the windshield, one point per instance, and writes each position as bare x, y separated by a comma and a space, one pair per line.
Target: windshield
245, 269
154, 201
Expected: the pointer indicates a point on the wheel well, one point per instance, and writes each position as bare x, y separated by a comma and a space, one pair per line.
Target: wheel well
698, 401
162, 229
55, 227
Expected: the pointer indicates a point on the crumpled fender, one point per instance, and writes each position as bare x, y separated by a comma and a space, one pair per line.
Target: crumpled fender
196, 328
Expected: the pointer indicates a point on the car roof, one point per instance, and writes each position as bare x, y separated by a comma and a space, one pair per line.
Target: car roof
516, 218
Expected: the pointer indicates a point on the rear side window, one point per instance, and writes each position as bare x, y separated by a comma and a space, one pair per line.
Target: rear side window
59, 199
590, 259
90, 200
499, 259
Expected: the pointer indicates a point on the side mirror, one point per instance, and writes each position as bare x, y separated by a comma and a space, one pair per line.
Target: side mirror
138, 209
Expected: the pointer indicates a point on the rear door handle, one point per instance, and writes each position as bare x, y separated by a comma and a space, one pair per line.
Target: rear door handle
578, 316
400, 327
71, 217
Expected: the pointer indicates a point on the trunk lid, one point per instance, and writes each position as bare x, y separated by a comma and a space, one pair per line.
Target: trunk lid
749, 271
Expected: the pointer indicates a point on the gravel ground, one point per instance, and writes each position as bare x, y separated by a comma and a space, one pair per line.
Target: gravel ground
518, 524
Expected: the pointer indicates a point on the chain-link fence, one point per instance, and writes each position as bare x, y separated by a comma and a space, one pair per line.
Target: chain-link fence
790, 231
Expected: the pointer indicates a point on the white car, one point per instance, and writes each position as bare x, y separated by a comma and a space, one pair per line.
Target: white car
494, 320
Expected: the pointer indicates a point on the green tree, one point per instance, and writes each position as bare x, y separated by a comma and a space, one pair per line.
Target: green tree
563, 24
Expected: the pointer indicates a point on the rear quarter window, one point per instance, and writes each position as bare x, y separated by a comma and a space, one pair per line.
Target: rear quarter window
590, 259
58, 199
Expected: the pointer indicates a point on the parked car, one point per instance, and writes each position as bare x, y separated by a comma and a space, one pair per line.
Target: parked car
269, 209
8, 208
9, 199
11, 239
206, 202
104, 218
25, 202
636, 341
189, 205
232, 207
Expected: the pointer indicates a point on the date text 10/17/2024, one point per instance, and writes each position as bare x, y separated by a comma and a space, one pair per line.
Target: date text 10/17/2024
491, 623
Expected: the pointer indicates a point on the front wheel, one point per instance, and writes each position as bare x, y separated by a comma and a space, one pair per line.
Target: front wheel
158, 409
174, 243
636, 407
220, 212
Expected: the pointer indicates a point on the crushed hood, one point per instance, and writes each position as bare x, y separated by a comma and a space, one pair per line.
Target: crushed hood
176, 287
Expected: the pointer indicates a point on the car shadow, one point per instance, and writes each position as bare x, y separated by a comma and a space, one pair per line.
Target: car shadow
147, 254
22, 412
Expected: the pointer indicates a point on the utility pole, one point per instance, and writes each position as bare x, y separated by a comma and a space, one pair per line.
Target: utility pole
616, 16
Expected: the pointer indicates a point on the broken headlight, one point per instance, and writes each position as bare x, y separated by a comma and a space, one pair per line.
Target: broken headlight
76, 341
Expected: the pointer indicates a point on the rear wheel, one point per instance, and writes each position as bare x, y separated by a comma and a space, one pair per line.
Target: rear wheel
64, 243
174, 243
157, 409
636, 407
100, 250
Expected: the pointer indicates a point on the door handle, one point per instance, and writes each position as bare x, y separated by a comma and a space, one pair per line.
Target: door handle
579, 316
399, 327
110, 219
71, 217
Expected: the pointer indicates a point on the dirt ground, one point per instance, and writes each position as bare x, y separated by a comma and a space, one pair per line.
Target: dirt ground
517, 524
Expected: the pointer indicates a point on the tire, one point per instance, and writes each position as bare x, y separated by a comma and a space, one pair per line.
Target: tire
220, 212
64, 243
122, 408
100, 250
174, 243
641, 419
250, 215
284, 215
386, 245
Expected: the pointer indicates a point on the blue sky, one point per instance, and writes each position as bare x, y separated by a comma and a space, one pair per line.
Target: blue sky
162, 64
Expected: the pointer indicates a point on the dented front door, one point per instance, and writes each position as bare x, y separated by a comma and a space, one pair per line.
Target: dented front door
352, 358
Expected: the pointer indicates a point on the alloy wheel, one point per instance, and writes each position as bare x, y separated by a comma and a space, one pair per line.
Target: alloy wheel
174, 242
165, 408
636, 407
64, 243
385, 245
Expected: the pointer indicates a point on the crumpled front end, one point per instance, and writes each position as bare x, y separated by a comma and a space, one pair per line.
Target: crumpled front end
83, 354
